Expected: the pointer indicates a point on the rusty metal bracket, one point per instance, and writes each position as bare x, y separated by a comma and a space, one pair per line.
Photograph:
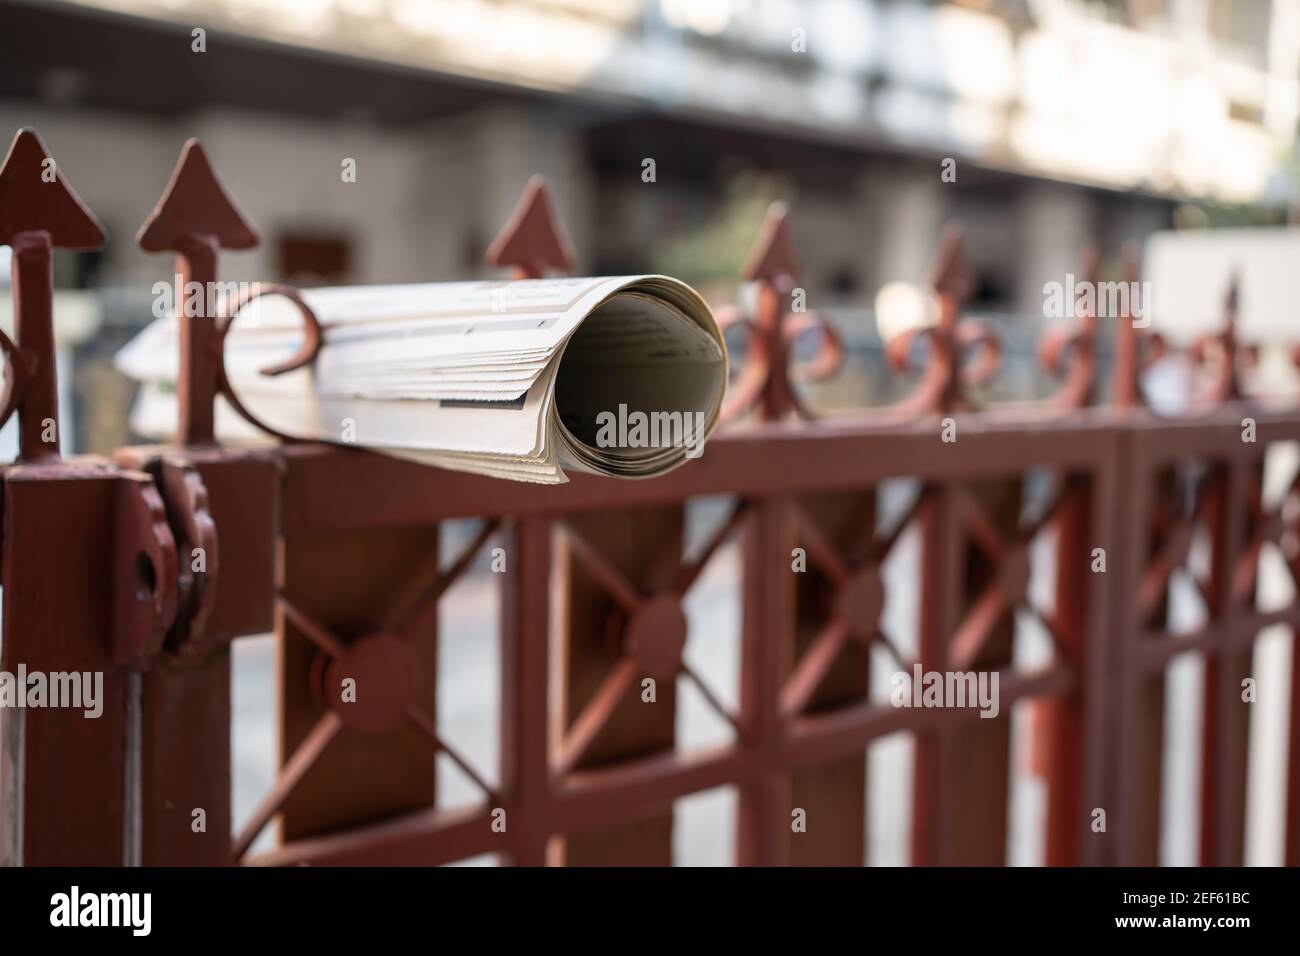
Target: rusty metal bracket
185, 500
146, 589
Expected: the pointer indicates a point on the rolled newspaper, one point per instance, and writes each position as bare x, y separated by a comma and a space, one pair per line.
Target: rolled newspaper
618, 376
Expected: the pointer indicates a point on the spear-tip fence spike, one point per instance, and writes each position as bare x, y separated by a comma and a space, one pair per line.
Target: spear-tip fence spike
772, 258
951, 274
1130, 257
1232, 298
29, 204
195, 203
533, 238
1090, 262
39, 212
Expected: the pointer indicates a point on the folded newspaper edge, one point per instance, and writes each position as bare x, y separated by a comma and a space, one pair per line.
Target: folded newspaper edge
620, 376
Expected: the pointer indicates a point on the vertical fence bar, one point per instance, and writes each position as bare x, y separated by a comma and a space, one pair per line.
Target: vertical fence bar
1095, 668
1226, 738
184, 698
940, 586
185, 759
1293, 759
63, 774
1074, 727
88, 569
981, 747
1067, 725
762, 818
834, 795
962, 763
1136, 736
525, 668
646, 545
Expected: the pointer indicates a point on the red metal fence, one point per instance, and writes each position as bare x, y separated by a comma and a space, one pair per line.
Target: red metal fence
336, 549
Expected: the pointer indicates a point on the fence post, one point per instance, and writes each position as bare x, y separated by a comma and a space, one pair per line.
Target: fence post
1067, 729
962, 763
525, 689
1293, 763
65, 764
1226, 739
814, 619
1071, 721
1136, 737
646, 547
217, 501
763, 812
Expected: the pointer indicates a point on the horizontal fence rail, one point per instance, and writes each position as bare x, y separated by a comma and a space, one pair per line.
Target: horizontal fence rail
1026, 557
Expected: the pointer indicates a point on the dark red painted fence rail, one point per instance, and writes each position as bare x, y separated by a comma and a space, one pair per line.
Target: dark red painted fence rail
336, 550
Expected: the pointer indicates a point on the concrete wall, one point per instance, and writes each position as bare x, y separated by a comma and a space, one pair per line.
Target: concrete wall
1063, 93
426, 201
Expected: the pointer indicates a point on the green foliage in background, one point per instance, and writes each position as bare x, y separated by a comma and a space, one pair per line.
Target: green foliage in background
714, 251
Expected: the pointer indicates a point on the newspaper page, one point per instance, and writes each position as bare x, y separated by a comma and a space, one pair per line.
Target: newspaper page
620, 376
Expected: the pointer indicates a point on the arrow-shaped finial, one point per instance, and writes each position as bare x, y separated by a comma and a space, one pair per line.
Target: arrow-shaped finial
1227, 387
1130, 261
194, 218
194, 203
1068, 351
1232, 298
34, 197
947, 370
772, 258
951, 275
1090, 262
532, 240
38, 211
1129, 362
771, 264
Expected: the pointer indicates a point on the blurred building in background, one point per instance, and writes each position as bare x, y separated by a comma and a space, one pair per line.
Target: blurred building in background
1068, 120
